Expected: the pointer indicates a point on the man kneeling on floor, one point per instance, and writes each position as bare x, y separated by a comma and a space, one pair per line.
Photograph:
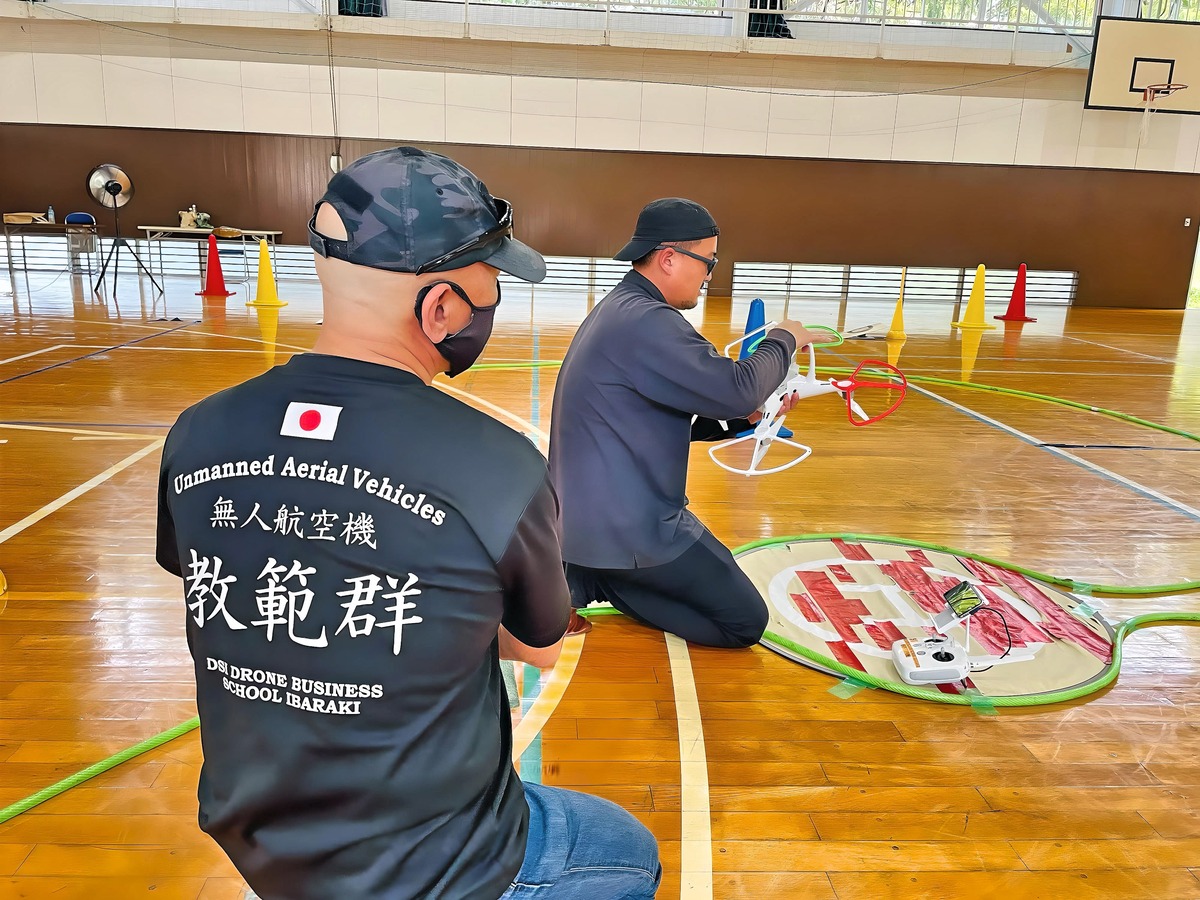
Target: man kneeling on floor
638, 384
359, 550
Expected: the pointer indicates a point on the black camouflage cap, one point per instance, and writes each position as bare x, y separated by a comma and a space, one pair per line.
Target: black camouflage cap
669, 219
407, 210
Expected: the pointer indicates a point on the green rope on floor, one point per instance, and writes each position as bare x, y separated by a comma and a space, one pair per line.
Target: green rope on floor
1070, 584
929, 379
1028, 395
1123, 630
10, 812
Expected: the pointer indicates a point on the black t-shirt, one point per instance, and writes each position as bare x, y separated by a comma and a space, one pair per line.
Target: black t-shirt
350, 541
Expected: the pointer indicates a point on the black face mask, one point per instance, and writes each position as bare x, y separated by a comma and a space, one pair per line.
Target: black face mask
462, 348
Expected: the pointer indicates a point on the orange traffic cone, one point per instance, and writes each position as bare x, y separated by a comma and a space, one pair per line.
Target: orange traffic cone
214, 281
1016, 305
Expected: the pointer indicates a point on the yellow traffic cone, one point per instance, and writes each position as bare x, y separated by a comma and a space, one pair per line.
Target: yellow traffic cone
266, 295
971, 338
974, 316
896, 332
893, 351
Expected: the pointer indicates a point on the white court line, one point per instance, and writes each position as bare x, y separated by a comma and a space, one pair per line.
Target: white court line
55, 505
523, 425
100, 434
227, 337
695, 847
552, 691
112, 437
1177, 505
1071, 337
145, 348
512, 417
34, 353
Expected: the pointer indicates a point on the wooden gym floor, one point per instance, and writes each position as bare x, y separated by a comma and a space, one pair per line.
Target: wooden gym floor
784, 790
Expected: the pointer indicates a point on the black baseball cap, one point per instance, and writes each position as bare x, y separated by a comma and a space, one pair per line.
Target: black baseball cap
666, 220
408, 210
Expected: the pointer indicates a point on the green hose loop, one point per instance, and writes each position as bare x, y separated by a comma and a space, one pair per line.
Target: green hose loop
1070, 584
92, 771
1028, 395
1121, 630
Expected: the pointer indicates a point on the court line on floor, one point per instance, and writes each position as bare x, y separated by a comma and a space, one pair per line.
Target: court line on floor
173, 349
110, 437
55, 505
76, 359
228, 337
34, 353
24, 426
695, 846
543, 438
1071, 337
551, 693
1134, 486
70, 426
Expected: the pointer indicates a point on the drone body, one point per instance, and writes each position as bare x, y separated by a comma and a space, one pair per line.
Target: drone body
766, 432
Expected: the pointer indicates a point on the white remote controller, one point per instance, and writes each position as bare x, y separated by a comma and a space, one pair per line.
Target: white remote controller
934, 660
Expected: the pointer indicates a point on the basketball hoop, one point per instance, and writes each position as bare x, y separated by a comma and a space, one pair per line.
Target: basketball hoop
1151, 94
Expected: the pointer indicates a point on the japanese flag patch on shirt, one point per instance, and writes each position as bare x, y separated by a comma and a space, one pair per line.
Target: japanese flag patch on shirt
311, 420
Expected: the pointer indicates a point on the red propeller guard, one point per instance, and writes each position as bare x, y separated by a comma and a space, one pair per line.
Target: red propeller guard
852, 383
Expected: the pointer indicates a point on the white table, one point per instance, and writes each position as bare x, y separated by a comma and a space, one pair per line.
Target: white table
159, 233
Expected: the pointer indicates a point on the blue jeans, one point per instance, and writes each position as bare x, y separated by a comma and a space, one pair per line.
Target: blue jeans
584, 848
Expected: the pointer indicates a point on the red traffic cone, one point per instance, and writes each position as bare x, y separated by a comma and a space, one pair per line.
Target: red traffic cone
1016, 305
214, 281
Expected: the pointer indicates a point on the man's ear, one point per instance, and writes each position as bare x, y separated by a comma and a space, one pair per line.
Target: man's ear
432, 313
665, 261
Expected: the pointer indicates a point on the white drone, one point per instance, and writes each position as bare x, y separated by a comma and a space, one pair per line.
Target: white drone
766, 431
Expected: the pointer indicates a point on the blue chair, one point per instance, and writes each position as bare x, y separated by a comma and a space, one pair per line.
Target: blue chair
80, 241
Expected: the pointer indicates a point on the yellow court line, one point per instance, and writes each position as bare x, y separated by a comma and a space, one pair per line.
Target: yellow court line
49, 595
55, 505
547, 699
695, 847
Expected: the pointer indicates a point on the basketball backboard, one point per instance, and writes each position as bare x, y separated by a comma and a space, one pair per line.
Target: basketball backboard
1129, 55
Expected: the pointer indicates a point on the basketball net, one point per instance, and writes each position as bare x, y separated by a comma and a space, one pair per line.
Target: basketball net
1150, 96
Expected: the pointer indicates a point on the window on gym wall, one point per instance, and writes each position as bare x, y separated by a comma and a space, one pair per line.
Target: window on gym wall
362, 8
804, 281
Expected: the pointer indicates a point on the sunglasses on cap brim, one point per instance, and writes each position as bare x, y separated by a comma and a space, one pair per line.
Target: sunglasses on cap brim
330, 247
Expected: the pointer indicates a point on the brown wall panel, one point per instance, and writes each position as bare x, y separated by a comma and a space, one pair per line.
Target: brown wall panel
1122, 231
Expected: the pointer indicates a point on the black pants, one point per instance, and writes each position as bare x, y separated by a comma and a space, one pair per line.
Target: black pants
703, 596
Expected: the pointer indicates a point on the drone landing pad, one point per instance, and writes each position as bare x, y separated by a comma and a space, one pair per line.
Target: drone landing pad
843, 601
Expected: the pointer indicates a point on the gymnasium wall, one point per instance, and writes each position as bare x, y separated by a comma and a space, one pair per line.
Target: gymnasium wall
804, 158
1122, 231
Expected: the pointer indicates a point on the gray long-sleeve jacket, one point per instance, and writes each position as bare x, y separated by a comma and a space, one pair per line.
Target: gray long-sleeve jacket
635, 375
